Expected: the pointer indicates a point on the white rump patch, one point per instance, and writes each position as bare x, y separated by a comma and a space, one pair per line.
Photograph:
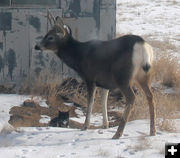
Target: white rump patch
142, 55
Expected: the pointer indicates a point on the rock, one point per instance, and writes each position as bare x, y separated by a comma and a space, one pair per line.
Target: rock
15, 118
29, 103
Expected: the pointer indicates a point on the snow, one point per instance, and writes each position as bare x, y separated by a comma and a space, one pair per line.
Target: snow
96, 119
40, 101
69, 104
44, 119
158, 19
47, 142
7, 102
43, 104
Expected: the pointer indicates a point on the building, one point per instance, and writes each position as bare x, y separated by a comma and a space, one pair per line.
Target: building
24, 22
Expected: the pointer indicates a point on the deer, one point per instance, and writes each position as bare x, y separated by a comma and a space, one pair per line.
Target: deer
115, 64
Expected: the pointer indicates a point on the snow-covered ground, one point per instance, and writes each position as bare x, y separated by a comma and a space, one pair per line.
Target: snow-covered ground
6, 103
49, 142
157, 19
59, 142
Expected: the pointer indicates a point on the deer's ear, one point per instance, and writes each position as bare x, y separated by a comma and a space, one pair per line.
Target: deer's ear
58, 18
59, 21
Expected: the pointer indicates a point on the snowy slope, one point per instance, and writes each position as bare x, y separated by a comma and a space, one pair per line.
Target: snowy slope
158, 19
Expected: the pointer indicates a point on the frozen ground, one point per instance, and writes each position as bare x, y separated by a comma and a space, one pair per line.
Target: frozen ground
154, 19
49, 142
157, 20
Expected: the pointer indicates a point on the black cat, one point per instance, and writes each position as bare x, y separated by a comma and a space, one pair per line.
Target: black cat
61, 121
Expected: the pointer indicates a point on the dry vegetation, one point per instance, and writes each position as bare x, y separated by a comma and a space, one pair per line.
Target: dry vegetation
6, 129
167, 71
168, 125
103, 153
142, 145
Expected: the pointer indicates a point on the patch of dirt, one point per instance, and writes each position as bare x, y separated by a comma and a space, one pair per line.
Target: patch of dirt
29, 114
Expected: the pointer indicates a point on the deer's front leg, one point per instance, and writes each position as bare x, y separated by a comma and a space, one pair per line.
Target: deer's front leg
104, 95
91, 95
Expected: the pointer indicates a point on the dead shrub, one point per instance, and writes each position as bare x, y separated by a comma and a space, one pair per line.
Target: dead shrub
7, 129
166, 106
162, 46
103, 153
167, 125
140, 110
167, 70
56, 91
143, 144
40, 85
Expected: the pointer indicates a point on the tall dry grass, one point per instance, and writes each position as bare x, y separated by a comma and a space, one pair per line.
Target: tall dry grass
167, 71
166, 106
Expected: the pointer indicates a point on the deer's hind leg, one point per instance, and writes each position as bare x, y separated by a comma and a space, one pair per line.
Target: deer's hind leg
146, 87
130, 97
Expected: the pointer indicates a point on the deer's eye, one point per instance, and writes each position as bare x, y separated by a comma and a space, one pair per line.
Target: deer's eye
50, 38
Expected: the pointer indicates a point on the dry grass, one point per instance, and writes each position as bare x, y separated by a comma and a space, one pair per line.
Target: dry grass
167, 71
41, 85
119, 156
140, 110
53, 89
4, 131
166, 106
161, 46
103, 153
7, 129
174, 2
162, 151
142, 145
167, 125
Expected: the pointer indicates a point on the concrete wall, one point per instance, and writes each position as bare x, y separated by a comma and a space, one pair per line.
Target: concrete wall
21, 28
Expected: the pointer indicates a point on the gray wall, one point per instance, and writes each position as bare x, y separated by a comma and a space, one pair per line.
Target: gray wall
21, 28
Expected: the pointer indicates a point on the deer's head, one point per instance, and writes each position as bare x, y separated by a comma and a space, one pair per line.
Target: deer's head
56, 36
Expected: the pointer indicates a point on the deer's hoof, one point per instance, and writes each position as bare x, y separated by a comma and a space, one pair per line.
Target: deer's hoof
105, 126
116, 136
152, 133
84, 128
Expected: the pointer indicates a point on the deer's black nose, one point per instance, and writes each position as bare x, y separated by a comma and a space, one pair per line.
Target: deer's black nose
37, 47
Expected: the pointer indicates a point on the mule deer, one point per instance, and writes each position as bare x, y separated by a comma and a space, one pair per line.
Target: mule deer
117, 63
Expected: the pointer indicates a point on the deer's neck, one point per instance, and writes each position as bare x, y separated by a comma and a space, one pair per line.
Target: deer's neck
71, 53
